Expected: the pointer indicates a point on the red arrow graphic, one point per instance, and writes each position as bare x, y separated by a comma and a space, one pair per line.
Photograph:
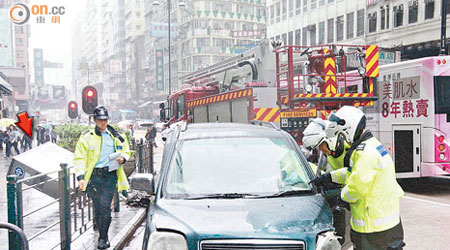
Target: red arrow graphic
25, 123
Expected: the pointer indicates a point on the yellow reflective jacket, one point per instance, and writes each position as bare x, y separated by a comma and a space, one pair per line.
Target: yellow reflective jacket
372, 189
339, 174
87, 154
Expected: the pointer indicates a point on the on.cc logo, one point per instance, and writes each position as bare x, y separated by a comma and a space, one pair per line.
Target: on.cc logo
19, 13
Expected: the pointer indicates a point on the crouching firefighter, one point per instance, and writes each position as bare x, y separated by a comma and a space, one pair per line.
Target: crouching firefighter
371, 187
97, 174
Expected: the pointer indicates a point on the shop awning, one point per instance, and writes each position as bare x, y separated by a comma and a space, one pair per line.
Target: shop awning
5, 87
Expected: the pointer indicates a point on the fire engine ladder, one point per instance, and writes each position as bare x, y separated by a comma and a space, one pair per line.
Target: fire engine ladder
324, 67
245, 58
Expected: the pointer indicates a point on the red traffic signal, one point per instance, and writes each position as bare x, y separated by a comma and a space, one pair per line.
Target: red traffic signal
89, 99
73, 109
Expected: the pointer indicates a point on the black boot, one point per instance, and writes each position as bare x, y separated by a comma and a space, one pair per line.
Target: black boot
103, 244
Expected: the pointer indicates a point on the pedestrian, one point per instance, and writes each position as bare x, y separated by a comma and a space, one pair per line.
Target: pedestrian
371, 188
54, 135
46, 135
41, 135
13, 140
150, 136
92, 168
2, 138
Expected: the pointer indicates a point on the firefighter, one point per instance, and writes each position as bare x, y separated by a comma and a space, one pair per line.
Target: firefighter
371, 188
91, 163
315, 137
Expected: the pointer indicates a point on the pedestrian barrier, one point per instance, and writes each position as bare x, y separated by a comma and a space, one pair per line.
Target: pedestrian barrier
143, 155
75, 209
18, 231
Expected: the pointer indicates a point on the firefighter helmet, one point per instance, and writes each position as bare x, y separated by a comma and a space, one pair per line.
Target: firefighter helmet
348, 121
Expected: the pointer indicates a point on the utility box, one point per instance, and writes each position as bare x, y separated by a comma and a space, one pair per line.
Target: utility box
41, 160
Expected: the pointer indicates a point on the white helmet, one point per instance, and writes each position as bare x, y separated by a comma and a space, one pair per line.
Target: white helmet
314, 134
349, 121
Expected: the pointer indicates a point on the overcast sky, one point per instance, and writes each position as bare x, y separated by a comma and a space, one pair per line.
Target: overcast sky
55, 39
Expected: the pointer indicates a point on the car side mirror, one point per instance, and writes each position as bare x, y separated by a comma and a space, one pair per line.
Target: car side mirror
143, 182
162, 115
161, 105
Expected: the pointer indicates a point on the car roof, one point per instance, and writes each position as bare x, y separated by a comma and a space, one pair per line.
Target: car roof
224, 130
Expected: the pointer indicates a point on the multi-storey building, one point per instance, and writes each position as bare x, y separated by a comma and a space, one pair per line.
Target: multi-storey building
19, 71
311, 22
409, 26
412, 26
102, 59
203, 32
134, 44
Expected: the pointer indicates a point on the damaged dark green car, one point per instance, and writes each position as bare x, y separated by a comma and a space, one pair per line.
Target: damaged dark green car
234, 186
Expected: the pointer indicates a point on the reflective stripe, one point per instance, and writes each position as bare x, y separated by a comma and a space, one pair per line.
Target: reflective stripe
386, 219
122, 183
346, 196
339, 176
359, 223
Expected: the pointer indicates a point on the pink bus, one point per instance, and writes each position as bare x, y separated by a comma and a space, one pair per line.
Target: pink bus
412, 115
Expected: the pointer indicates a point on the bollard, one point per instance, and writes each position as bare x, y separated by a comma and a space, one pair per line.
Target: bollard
64, 207
12, 210
140, 144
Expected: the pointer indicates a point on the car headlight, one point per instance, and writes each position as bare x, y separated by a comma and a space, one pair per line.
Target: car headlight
328, 241
166, 240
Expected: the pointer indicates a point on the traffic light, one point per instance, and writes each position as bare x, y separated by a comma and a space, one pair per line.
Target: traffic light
90, 99
73, 109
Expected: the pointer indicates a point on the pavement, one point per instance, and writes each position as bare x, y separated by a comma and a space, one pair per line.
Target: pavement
123, 225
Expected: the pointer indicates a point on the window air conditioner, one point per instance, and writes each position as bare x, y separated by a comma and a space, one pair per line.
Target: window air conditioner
412, 3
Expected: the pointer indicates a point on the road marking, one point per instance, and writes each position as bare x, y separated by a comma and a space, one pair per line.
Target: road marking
427, 201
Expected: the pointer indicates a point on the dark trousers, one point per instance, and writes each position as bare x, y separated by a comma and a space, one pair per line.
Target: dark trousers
101, 189
391, 239
9, 145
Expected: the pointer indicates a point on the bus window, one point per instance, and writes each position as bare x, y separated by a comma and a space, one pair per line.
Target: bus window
441, 94
180, 106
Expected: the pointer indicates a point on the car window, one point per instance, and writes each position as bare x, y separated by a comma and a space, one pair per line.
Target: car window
235, 165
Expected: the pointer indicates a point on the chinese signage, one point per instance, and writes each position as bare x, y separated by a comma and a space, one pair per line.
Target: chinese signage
246, 33
159, 66
400, 98
38, 67
6, 48
159, 30
115, 66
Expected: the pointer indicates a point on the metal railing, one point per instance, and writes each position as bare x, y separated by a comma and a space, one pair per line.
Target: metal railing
15, 229
75, 209
143, 155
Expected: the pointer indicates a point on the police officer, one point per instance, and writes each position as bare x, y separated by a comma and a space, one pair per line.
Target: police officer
371, 188
91, 162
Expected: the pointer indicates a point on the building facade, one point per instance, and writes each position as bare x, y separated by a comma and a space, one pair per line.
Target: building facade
312, 22
409, 26
203, 32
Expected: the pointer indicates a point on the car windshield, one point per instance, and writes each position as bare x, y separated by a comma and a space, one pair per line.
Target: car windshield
244, 165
